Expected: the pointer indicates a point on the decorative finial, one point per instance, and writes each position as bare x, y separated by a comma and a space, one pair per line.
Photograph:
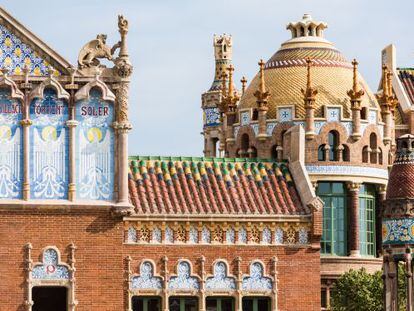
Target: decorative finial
261, 94
243, 82
355, 94
230, 69
309, 92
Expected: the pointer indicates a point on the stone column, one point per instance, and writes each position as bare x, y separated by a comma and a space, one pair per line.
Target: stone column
382, 191
239, 295
275, 289
165, 296
409, 279
71, 124
26, 122
202, 287
310, 119
356, 119
353, 190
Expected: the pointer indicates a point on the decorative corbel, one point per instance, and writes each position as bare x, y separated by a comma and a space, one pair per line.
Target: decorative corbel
6, 81
84, 91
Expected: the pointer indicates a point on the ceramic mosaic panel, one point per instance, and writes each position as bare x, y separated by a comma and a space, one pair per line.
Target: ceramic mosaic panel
255, 128
303, 236
267, 236
95, 148
220, 281
49, 147
256, 281
193, 235
230, 236
333, 114
132, 235
242, 235
398, 231
279, 236
269, 128
212, 117
183, 280
11, 152
244, 118
205, 235
285, 114
14, 55
146, 279
156, 235
372, 116
50, 269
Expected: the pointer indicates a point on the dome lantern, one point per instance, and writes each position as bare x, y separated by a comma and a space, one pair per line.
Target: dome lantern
307, 27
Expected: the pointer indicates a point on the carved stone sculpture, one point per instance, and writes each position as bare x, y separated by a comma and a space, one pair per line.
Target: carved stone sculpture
94, 50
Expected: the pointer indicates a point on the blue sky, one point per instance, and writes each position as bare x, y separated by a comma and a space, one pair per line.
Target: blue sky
171, 48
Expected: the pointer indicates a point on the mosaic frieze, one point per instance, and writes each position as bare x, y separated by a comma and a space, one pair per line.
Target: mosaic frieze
218, 234
183, 280
220, 281
256, 281
15, 55
245, 118
95, 148
49, 147
50, 269
347, 170
146, 279
285, 114
11, 153
398, 231
333, 114
212, 116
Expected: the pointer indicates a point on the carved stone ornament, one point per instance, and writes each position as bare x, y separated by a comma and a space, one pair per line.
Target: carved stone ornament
398, 208
94, 50
316, 204
123, 68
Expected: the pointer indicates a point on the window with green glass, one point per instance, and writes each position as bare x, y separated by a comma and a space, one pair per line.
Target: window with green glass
333, 240
367, 220
219, 304
183, 304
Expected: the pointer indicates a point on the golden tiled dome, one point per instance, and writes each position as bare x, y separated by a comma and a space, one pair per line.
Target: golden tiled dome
285, 73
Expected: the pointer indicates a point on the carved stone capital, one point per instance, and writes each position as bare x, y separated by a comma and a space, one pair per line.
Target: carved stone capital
72, 123
121, 211
395, 208
315, 204
122, 127
26, 122
123, 68
353, 186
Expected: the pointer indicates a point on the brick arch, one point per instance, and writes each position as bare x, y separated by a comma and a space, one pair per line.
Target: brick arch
276, 136
333, 126
246, 129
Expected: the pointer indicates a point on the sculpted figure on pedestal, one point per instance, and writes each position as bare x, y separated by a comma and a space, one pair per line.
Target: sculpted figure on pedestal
94, 50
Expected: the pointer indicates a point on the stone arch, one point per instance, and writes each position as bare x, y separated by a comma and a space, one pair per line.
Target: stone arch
84, 91
50, 82
220, 280
257, 280
147, 279
184, 279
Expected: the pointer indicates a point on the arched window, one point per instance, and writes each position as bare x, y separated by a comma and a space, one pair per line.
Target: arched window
333, 141
364, 113
255, 115
321, 153
345, 153
365, 154
273, 152
373, 146
245, 142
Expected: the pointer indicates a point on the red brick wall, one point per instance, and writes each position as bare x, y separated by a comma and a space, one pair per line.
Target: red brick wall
100, 259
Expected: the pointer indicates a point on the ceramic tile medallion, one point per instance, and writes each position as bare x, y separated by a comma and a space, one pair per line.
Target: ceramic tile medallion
11, 153
398, 231
49, 147
95, 148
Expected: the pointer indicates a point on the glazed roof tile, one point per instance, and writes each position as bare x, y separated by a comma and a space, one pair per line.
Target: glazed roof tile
212, 186
406, 76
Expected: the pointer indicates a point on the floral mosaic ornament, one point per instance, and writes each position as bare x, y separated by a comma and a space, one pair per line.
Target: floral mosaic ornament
220, 281
49, 147
256, 281
15, 55
146, 279
50, 268
212, 116
398, 231
183, 280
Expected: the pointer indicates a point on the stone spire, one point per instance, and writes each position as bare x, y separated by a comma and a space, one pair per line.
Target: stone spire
309, 96
385, 99
261, 99
243, 82
355, 96
230, 101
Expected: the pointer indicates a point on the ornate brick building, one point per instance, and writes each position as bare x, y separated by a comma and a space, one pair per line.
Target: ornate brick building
82, 227
348, 142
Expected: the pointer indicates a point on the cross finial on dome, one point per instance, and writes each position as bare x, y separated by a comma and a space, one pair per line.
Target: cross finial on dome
307, 27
